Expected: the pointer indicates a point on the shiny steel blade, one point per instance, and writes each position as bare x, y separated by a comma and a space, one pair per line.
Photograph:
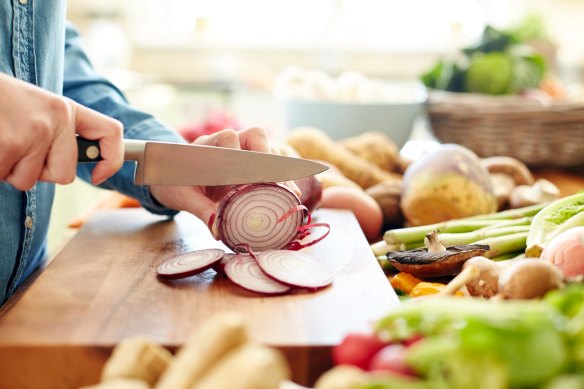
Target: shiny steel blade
182, 164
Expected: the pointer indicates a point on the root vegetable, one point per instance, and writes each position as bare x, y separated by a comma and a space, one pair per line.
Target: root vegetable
387, 195
137, 358
448, 183
313, 143
342, 377
376, 148
366, 210
188, 264
251, 366
215, 338
566, 252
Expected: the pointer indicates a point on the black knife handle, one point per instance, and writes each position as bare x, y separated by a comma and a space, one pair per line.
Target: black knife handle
88, 150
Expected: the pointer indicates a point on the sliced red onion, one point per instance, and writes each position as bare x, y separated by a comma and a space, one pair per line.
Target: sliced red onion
219, 266
295, 268
244, 271
188, 264
252, 214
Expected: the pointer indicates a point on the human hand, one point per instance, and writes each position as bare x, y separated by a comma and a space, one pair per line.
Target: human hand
202, 201
37, 136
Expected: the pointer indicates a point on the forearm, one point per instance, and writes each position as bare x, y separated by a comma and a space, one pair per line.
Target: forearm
84, 86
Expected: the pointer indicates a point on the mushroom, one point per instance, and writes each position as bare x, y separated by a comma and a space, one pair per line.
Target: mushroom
506, 173
435, 260
528, 280
540, 192
524, 278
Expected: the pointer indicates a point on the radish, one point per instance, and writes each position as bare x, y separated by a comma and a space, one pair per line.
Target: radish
188, 264
244, 271
295, 268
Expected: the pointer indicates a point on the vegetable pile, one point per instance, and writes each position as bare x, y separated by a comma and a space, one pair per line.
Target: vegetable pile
463, 343
527, 252
218, 354
499, 64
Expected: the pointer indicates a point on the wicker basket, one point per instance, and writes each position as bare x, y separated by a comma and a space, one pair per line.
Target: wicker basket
550, 135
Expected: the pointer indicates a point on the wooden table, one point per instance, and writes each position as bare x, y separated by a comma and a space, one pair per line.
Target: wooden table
102, 288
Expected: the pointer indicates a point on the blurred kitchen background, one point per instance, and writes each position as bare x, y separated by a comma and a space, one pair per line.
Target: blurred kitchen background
196, 62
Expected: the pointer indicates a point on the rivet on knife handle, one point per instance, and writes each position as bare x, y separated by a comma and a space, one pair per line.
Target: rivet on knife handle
88, 150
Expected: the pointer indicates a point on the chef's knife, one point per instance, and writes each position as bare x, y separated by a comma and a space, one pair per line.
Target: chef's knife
160, 163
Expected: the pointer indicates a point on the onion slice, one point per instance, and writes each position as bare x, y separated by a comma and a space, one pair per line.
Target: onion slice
188, 264
244, 271
295, 268
219, 266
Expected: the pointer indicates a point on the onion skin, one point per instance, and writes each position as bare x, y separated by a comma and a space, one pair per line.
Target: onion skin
566, 252
311, 188
250, 215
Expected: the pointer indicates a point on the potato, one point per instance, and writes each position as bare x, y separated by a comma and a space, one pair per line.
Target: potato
313, 143
376, 148
366, 210
448, 183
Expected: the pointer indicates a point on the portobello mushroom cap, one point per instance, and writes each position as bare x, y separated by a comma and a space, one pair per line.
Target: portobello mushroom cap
425, 263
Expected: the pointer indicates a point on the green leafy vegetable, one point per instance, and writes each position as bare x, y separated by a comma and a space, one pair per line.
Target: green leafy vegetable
500, 63
554, 219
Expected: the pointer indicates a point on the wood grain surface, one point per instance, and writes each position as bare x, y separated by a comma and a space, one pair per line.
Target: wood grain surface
102, 288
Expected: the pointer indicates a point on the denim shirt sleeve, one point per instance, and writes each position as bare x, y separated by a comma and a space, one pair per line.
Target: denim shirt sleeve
84, 86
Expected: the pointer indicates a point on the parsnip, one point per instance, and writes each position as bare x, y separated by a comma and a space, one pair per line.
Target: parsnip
216, 337
137, 358
250, 366
313, 143
119, 383
342, 377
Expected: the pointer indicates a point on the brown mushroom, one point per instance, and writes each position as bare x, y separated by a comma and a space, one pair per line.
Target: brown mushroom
506, 174
387, 195
528, 280
541, 191
524, 278
435, 260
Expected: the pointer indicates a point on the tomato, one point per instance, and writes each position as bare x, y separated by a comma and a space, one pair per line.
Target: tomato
392, 359
357, 349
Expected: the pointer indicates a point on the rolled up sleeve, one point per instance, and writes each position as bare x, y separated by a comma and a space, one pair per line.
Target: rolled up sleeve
83, 85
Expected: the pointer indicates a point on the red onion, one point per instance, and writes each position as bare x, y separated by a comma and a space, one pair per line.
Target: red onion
189, 264
253, 215
244, 271
295, 268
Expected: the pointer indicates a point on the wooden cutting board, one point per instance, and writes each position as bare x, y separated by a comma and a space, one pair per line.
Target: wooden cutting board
102, 288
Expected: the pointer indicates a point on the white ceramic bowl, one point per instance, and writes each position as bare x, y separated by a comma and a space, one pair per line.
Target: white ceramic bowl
343, 119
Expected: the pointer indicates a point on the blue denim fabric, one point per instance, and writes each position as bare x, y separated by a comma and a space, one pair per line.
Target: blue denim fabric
38, 46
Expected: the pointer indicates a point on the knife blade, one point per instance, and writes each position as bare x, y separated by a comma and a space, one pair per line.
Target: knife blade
163, 163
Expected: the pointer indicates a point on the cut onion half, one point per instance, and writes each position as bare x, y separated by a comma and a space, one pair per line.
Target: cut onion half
295, 268
244, 271
252, 214
188, 264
